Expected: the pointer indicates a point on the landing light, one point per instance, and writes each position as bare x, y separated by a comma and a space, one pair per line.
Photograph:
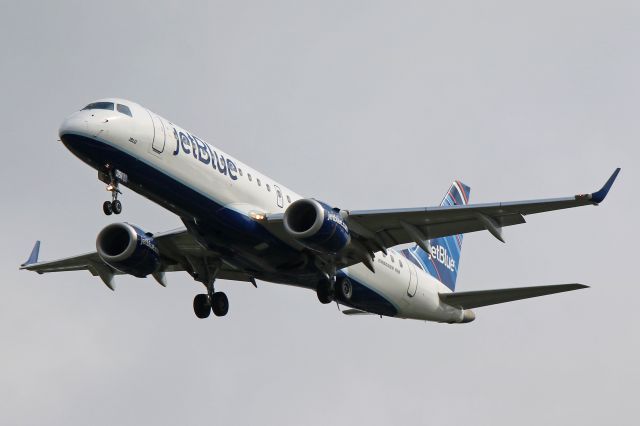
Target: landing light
110, 188
257, 216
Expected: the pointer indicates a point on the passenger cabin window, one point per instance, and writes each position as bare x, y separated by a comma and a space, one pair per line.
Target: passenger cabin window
258, 180
288, 199
268, 188
240, 172
125, 110
249, 176
100, 105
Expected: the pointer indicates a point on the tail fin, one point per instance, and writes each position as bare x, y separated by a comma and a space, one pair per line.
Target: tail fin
444, 260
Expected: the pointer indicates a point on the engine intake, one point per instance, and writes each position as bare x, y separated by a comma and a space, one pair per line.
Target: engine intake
317, 226
128, 249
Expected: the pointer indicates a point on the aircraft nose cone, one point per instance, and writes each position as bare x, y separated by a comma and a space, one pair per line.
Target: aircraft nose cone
74, 124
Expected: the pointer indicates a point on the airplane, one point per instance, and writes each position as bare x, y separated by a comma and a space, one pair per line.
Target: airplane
241, 225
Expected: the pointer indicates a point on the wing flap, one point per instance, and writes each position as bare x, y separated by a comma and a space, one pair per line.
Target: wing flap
476, 299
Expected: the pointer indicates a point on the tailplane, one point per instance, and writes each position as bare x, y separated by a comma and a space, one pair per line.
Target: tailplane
444, 259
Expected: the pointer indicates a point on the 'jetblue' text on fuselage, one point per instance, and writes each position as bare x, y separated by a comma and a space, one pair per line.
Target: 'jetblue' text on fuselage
201, 151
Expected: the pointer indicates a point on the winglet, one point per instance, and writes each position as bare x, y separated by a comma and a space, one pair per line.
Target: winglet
33, 258
599, 196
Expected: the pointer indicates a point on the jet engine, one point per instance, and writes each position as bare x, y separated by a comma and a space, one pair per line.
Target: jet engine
128, 249
316, 226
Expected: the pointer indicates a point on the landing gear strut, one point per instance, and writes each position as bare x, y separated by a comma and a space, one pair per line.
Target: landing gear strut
114, 206
215, 301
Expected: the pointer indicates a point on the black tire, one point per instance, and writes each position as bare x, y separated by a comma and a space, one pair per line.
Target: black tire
344, 288
202, 306
220, 304
324, 291
107, 208
116, 206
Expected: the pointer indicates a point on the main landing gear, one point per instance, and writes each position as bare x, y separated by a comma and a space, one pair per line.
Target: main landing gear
330, 289
325, 290
114, 206
215, 301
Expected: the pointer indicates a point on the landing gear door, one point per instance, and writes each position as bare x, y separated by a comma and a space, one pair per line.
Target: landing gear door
159, 134
413, 280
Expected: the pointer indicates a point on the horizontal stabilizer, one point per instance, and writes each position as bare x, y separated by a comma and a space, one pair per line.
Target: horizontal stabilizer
476, 299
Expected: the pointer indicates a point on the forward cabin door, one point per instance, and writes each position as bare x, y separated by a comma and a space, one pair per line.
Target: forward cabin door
159, 134
413, 279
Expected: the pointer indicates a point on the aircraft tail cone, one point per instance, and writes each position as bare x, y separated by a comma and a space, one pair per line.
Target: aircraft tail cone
467, 316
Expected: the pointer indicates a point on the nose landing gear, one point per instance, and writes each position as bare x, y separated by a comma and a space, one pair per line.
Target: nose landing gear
109, 207
113, 178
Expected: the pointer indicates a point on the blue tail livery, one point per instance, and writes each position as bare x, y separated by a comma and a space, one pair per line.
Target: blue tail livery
444, 260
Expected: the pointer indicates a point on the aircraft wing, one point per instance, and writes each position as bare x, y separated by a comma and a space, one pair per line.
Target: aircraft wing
180, 251
386, 228
377, 230
476, 299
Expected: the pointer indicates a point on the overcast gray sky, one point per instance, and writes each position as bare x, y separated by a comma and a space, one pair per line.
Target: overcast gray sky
365, 105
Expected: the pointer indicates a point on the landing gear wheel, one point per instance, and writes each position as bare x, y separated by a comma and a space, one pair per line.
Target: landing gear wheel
116, 206
345, 288
220, 304
324, 291
202, 305
107, 208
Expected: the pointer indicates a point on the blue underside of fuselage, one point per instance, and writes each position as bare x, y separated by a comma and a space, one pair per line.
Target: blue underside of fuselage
228, 232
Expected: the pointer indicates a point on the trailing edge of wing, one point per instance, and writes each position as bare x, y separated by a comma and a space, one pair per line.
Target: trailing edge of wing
476, 299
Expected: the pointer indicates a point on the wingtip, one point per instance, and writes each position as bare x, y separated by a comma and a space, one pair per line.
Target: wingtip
578, 286
33, 257
599, 196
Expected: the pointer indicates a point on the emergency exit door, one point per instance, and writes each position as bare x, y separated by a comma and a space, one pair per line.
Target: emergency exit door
279, 197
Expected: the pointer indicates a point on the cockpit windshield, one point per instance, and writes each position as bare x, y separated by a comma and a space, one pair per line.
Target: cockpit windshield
100, 105
124, 109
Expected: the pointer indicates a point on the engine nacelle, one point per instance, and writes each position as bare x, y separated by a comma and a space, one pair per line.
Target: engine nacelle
317, 226
128, 249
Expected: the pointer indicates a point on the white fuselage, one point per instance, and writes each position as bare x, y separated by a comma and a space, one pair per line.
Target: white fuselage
234, 185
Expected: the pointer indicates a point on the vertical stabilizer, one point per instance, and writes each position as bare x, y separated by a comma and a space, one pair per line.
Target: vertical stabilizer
444, 260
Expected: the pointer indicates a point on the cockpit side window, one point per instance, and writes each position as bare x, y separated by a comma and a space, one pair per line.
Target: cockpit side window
100, 105
125, 110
